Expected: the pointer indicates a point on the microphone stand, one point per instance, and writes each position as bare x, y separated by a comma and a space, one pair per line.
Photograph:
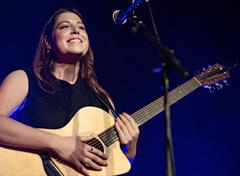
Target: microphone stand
168, 60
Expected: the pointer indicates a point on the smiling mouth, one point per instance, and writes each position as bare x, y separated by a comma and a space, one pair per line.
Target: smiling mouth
75, 40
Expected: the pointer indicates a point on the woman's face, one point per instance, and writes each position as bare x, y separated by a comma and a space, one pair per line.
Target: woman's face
69, 38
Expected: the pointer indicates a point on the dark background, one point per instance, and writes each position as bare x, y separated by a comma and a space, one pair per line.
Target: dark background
205, 126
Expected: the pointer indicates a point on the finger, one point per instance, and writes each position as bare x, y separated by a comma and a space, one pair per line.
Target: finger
122, 131
86, 138
122, 124
81, 168
97, 152
131, 127
90, 164
95, 158
127, 125
87, 142
131, 121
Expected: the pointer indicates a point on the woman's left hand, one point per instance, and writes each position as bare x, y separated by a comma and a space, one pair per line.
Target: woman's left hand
128, 133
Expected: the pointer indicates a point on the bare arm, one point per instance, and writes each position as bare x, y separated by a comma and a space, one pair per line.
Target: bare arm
13, 90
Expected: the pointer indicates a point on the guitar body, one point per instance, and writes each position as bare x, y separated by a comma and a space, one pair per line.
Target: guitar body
87, 121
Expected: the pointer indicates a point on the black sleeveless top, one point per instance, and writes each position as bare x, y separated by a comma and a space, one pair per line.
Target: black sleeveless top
44, 110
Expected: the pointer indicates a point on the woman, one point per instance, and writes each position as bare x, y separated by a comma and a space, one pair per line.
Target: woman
62, 82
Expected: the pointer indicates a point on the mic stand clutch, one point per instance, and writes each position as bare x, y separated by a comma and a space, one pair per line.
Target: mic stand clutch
168, 59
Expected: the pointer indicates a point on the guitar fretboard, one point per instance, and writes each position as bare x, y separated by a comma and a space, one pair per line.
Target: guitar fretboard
149, 111
157, 106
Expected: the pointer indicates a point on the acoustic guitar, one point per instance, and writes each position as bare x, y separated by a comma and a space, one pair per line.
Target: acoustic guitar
94, 121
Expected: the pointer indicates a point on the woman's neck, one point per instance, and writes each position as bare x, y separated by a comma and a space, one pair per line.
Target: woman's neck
66, 72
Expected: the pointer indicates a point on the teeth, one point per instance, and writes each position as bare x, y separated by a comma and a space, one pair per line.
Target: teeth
74, 40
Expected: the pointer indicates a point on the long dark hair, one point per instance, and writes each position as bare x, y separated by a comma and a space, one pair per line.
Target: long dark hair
44, 61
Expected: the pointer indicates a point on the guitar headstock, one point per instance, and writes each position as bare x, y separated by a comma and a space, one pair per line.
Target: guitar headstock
213, 77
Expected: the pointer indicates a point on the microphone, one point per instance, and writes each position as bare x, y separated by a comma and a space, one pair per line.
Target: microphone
120, 16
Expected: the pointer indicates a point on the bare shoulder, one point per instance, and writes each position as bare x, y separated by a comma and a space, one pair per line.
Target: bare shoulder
17, 74
16, 79
13, 90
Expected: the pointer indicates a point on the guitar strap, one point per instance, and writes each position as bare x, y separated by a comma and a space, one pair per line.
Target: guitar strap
105, 101
49, 166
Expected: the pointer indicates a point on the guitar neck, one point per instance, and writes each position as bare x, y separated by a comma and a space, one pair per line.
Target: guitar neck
149, 111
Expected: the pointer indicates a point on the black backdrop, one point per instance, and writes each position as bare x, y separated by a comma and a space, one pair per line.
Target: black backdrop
205, 126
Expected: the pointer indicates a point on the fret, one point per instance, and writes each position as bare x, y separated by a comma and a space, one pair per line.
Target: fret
149, 111
154, 108
109, 136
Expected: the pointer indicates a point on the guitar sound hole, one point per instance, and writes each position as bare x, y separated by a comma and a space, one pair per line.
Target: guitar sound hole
96, 144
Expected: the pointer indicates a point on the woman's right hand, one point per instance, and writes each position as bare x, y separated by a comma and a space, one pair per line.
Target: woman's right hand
81, 156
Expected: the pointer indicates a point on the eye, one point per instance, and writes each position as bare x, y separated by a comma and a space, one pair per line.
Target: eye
65, 26
81, 27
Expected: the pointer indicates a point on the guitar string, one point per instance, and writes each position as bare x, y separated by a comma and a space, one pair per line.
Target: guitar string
140, 117
104, 137
191, 85
160, 100
143, 112
109, 136
95, 142
153, 104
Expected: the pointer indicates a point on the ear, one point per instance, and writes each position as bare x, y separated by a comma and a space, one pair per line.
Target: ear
47, 42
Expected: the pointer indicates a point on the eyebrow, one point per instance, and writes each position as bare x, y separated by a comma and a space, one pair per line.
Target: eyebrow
79, 22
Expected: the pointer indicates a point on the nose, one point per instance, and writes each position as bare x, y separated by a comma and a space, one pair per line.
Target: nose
75, 29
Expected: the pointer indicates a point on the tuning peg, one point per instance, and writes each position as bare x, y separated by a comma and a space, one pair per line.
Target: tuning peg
207, 87
226, 83
202, 69
211, 89
218, 86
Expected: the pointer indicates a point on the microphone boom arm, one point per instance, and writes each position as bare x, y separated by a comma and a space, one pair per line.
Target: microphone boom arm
168, 57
